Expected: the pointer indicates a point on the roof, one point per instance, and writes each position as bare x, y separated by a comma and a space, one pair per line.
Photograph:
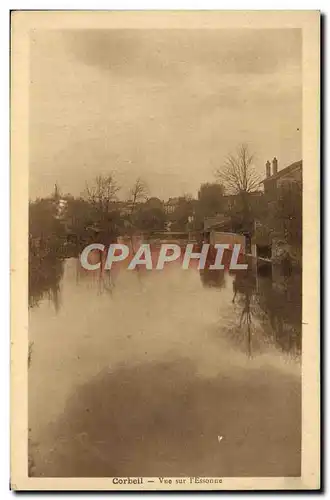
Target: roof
213, 222
250, 193
287, 170
173, 201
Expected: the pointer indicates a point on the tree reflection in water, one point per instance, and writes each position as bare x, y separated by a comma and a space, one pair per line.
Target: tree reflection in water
244, 286
268, 304
271, 309
45, 274
280, 299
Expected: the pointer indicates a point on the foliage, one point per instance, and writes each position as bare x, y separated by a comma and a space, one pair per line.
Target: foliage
149, 218
183, 210
46, 230
287, 214
210, 201
45, 274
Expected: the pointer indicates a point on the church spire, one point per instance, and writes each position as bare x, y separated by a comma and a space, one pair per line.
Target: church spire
56, 192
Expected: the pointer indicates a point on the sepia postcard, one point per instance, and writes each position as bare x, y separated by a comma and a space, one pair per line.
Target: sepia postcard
165, 210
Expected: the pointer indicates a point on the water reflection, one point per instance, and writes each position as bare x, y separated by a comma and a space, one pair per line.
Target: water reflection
137, 373
268, 310
244, 287
45, 274
280, 301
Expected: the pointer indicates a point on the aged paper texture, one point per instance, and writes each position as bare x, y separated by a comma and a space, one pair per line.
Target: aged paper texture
165, 250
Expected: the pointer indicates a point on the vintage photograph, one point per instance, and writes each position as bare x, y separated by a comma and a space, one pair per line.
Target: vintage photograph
166, 185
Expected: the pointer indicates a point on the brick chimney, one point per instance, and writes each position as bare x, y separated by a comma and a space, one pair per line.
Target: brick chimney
267, 169
275, 165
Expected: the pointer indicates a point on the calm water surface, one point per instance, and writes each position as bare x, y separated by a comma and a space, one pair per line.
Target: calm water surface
163, 373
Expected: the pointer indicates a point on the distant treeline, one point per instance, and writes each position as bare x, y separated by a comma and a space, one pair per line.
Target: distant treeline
62, 224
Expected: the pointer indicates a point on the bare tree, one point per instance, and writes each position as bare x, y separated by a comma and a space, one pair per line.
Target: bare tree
240, 178
238, 173
102, 192
138, 193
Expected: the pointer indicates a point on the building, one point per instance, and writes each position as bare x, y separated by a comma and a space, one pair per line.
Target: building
171, 205
217, 230
269, 242
280, 178
219, 221
234, 204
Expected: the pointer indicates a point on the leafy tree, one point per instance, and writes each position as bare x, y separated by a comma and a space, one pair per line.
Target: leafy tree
45, 229
184, 209
79, 214
287, 214
210, 200
149, 218
154, 202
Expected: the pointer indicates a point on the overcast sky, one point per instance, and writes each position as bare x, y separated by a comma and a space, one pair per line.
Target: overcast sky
166, 105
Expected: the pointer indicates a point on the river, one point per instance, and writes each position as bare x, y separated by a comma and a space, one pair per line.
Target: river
171, 373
